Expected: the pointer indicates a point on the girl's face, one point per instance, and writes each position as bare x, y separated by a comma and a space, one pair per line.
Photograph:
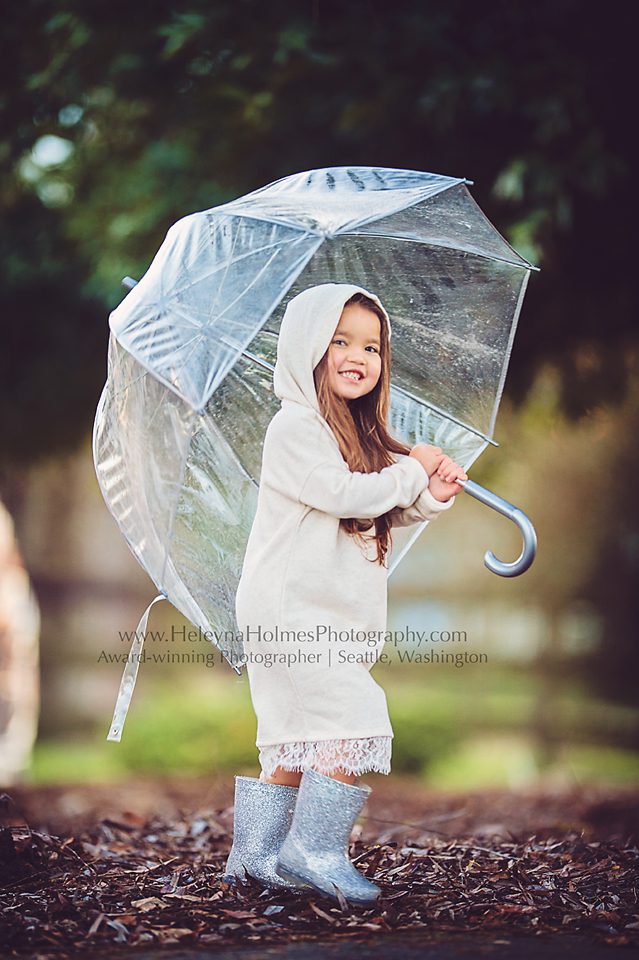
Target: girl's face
354, 361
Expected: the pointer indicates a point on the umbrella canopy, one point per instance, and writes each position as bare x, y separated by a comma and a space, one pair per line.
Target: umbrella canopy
179, 428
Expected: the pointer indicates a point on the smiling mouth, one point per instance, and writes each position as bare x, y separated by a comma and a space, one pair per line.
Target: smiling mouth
353, 375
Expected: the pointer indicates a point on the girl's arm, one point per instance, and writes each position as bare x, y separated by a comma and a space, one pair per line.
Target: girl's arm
302, 461
338, 491
426, 507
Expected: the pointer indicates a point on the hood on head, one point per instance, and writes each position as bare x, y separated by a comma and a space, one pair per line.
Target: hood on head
307, 328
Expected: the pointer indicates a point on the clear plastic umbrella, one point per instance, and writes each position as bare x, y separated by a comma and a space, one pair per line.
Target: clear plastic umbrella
180, 424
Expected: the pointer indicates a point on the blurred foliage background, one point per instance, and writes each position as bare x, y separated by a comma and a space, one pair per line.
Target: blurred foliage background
118, 119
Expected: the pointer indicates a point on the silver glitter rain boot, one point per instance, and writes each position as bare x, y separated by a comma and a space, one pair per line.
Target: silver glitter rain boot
315, 851
263, 815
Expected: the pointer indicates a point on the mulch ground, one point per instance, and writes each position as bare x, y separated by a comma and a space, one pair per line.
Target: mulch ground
141, 864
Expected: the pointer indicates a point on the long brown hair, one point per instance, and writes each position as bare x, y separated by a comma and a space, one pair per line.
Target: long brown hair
360, 426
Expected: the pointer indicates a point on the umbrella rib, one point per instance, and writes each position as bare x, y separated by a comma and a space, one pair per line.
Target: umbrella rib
232, 454
431, 406
443, 413
233, 262
174, 508
237, 299
509, 347
255, 279
228, 266
481, 212
523, 264
250, 356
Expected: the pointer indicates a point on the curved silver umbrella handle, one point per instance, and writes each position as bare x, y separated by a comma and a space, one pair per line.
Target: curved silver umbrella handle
517, 516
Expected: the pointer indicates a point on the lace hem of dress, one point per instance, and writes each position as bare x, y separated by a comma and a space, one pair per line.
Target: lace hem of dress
327, 756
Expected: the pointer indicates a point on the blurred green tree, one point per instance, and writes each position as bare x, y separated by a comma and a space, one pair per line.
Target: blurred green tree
117, 119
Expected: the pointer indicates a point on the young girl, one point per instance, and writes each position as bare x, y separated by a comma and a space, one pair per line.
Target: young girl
313, 590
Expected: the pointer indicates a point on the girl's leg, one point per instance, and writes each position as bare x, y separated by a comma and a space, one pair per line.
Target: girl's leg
290, 778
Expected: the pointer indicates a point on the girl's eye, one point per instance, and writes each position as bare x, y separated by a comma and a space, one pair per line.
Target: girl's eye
374, 349
339, 343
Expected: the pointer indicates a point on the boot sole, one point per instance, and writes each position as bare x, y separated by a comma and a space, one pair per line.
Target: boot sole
296, 881
301, 882
232, 880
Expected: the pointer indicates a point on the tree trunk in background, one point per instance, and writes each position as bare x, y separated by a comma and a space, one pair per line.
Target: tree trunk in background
19, 630
88, 585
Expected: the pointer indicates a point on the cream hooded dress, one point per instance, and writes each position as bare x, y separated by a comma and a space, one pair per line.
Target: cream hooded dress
311, 603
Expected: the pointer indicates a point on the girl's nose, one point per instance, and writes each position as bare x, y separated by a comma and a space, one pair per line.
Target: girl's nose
355, 355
